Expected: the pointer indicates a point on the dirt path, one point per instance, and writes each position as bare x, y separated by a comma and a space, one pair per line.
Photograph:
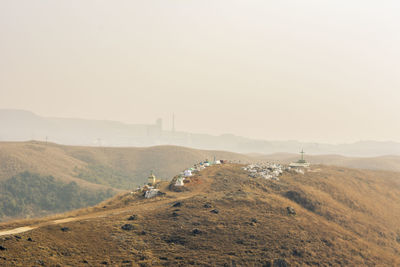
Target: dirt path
27, 228
143, 207
17, 230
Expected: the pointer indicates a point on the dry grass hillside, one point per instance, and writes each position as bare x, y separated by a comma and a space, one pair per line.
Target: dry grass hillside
387, 163
344, 217
38, 179
96, 167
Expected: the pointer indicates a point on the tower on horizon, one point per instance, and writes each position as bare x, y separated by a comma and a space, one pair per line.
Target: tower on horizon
302, 157
301, 162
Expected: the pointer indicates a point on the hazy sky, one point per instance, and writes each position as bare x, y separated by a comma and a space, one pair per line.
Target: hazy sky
326, 71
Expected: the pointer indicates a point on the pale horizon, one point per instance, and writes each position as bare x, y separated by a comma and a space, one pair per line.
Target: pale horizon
314, 71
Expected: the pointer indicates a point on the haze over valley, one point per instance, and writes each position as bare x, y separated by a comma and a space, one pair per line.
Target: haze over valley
199, 133
19, 125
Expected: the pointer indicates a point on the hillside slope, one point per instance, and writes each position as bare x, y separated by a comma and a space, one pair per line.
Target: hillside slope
100, 167
344, 217
96, 169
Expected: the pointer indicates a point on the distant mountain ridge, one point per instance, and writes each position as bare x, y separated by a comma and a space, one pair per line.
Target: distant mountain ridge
19, 125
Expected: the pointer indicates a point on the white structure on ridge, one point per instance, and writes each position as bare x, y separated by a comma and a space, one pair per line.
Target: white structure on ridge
301, 163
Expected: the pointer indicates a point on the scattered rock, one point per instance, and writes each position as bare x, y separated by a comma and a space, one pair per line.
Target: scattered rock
126, 261
398, 238
127, 227
30, 239
104, 207
2, 248
17, 237
280, 263
175, 240
178, 258
207, 206
85, 261
254, 220
163, 258
143, 233
104, 263
297, 253
132, 217
174, 214
291, 211
65, 229
215, 211
196, 232
40, 262
177, 204
3, 258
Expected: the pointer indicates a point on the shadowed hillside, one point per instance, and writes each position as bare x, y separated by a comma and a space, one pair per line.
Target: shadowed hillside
338, 217
27, 194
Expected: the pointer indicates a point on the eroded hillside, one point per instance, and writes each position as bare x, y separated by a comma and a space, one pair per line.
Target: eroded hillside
343, 217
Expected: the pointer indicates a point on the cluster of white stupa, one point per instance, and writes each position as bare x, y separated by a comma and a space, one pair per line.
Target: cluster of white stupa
269, 171
196, 168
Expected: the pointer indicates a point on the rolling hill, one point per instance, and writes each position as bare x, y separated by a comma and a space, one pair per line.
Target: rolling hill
91, 169
22, 125
336, 217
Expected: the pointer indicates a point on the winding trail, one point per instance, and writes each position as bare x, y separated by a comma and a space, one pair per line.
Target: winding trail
17, 230
145, 206
93, 215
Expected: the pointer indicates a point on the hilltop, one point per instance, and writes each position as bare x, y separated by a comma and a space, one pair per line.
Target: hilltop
91, 174
386, 163
338, 217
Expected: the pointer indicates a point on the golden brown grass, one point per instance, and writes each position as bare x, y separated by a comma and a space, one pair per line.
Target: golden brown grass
344, 217
65, 162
